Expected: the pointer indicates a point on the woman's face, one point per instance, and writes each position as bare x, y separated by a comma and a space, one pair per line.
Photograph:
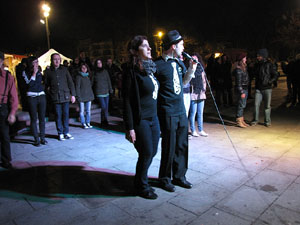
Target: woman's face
83, 69
145, 50
35, 64
99, 63
244, 60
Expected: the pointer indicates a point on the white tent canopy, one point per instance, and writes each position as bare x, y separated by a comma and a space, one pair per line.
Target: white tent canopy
45, 60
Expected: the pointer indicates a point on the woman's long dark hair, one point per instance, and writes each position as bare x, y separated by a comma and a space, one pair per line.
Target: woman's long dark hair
133, 48
96, 68
29, 67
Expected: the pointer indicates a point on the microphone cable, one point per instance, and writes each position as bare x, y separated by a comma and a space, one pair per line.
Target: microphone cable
233, 146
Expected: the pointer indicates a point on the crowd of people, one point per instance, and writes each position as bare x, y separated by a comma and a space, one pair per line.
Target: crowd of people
161, 98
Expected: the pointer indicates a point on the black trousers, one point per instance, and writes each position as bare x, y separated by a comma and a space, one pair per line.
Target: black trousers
147, 138
37, 110
4, 135
174, 147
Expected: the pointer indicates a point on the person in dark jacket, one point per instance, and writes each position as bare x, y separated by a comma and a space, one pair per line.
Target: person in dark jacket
296, 81
241, 86
265, 74
172, 75
36, 99
21, 83
140, 92
85, 95
102, 88
59, 85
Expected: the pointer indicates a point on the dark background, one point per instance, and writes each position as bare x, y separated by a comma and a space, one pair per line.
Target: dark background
248, 24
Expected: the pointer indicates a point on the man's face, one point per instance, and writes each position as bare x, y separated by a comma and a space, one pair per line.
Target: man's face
56, 61
109, 62
259, 58
179, 48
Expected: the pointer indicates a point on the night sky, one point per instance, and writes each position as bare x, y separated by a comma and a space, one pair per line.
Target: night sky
245, 23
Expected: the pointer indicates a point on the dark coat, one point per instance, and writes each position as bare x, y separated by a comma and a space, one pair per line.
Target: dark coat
84, 91
241, 80
59, 84
101, 82
265, 74
132, 105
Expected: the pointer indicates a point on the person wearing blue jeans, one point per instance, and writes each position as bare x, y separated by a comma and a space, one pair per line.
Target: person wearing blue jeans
62, 118
241, 87
198, 96
102, 89
266, 96
265, 75
85, 114
84, 94
104, 103
197, 107
59, 85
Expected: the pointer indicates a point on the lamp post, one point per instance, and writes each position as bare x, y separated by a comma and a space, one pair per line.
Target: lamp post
159, 36
46, 10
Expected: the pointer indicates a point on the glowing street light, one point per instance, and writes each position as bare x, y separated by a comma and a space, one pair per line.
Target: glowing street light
159, 36
46, 9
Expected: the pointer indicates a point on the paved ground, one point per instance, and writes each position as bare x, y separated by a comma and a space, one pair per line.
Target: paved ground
240, 176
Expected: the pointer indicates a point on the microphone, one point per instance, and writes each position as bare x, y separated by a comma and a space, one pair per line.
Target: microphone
186, 55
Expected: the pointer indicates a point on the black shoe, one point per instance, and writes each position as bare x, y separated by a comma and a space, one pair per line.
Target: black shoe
168, 187
184, 184
37, 143
148, 194
7, 165
44, 142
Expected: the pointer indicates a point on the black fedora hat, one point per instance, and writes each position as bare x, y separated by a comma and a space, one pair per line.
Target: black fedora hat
172, 37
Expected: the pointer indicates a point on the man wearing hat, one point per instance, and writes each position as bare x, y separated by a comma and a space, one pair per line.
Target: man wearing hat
265, 74
172, 75
8, 108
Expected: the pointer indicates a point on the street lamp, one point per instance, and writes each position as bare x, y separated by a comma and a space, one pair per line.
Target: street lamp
46, 9
159, 36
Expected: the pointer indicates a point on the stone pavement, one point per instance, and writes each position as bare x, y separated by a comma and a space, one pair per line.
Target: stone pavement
240, 176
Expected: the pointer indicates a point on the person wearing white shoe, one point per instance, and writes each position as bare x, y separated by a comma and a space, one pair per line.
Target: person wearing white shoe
60, 87
195, 134
198, 96
203, 133
84, 94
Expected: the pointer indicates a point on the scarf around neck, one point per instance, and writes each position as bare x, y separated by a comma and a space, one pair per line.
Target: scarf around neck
84, 74
149, 66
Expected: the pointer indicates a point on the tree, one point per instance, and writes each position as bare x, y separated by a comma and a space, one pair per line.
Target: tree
288, 32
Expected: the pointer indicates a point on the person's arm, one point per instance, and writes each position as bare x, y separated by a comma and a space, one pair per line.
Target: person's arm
128, 115
109, 82
13, 100
77, 88
71, 86
238, 80
274, 73
190, 73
